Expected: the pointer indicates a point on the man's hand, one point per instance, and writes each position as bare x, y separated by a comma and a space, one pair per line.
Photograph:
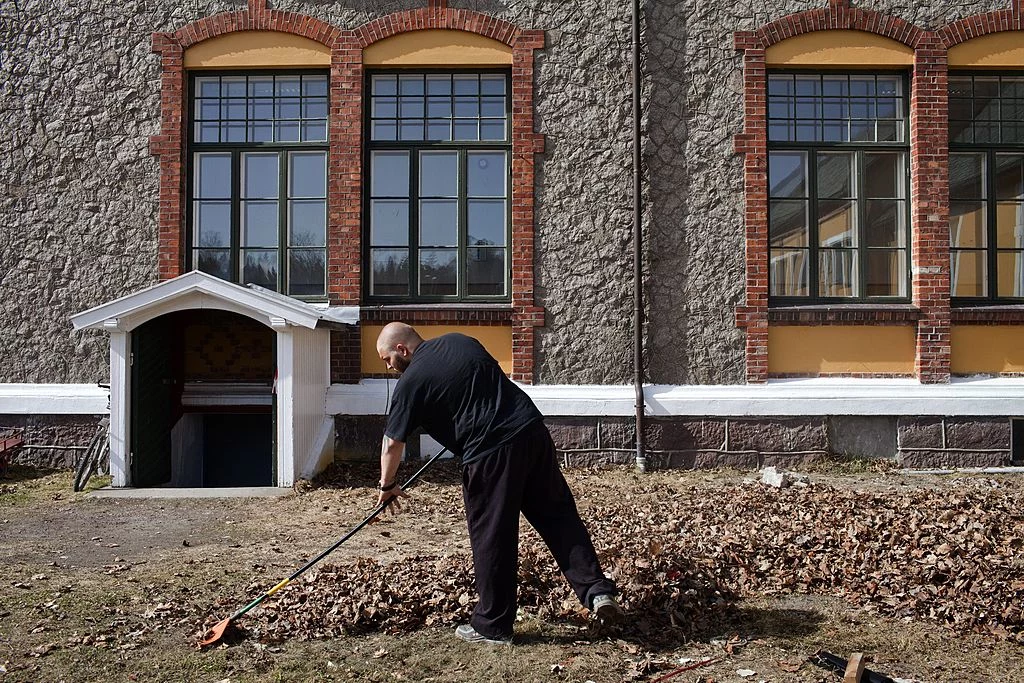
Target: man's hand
394, 495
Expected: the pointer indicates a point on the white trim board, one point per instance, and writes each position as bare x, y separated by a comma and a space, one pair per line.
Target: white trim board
963, 396
53, 399
798, 397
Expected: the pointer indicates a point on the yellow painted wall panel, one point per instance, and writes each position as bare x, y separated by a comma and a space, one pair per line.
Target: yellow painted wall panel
995, 51
839, 49
438, 47
497, 340
986, 349
840, 349
254, 49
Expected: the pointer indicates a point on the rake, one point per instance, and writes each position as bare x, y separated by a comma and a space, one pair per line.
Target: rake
216, 632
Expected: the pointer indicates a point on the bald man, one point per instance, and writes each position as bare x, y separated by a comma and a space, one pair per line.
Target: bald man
456, 392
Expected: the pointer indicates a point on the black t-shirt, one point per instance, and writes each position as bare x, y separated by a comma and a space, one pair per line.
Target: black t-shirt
458, 394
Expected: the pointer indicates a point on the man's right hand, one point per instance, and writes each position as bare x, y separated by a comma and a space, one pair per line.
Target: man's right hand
393, 495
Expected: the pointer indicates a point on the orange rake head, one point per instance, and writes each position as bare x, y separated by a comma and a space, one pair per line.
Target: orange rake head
215, 633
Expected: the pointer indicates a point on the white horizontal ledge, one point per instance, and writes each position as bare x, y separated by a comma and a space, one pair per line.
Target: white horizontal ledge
53, 399
794, 397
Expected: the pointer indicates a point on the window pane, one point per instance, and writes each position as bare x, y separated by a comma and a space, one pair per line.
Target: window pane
967, 224
389, 222
487, 175
233, 86
787, 174
835, 175
485, 272
207, 132
384, 85
492, 129
212, 224
288, 108
216, 262
314, 131
486, 222
286, 131
439, 174
207, 110
439, 223
411, 108
439, 107
410, 85
837, 272
883, 176
886, 272
466, 129
789, 274
466, 84
260, 176
788, 223
314, 85
439, 130
438, 272
261, 132
213, 176
307, 223
837, 223
967, 271
967, 176
208, 87
234, 110
1010, 225
1010, 273
287, 86
885, 226
494, 84
306, 272
780, 85
385, 107
261, 86
492, 106
389, 174
389, 272
384, 130
307, 176
411, 130
960, 86
259, 224
1009, 176
439, 84
467, 107
260, 267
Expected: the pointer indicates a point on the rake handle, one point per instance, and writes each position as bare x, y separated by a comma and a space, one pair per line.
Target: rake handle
373, 515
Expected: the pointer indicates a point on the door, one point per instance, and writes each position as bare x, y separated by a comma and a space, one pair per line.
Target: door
153, 404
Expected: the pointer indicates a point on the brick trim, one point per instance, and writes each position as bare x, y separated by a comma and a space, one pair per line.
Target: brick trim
437, 316
844, 315
988, 315
838, 15
978, 25
344, 253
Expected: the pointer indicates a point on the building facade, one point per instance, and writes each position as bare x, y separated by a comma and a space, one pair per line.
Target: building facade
833, 242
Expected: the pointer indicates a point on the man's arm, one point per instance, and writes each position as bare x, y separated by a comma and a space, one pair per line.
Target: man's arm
390, 458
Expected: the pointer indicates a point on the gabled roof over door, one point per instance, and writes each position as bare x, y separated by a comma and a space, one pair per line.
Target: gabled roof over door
197, 290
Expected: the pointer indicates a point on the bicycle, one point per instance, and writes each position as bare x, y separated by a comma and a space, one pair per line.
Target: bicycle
97, 450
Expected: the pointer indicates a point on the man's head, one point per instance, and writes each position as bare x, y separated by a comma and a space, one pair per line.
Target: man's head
396, 344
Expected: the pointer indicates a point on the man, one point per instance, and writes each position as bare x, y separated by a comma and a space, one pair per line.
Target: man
456, 392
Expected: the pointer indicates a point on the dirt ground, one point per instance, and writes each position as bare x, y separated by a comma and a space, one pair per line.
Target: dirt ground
117, 589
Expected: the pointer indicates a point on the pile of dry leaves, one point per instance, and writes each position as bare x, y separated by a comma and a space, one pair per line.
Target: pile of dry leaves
681, 558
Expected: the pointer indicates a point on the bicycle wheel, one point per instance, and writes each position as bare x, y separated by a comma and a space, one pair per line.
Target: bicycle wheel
89, 460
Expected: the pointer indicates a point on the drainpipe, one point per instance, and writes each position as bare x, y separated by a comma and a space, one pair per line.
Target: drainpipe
638, 273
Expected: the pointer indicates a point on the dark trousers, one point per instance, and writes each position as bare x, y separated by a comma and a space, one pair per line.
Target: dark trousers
523, 476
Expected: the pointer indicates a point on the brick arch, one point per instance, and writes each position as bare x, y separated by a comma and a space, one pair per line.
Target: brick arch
439, 18
257, 18
962, 30
838, 15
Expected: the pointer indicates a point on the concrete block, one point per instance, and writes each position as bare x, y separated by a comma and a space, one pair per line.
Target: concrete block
794, 434
573, 433
863, 436
919, 432
982, 433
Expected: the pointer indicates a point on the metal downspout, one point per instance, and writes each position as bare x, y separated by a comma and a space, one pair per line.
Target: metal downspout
638, 283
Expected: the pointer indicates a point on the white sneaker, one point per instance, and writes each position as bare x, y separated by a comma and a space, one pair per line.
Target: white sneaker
470, 635
607, 610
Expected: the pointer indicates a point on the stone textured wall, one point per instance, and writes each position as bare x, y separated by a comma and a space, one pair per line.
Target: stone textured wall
52, 430
80, 99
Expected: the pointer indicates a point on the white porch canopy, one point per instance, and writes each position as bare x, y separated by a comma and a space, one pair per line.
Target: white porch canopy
305, 434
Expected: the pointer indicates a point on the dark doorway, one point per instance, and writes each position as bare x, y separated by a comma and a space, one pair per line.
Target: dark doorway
238, 449
202, 401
